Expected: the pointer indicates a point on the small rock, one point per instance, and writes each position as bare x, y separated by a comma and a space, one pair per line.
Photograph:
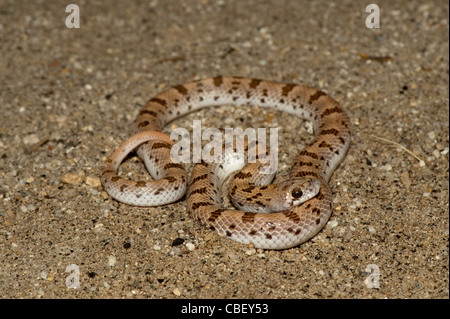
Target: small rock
250, 251
436, 153
112, 260
29, 180
72, 179
93, 181
30, 139
333, 223
177, 292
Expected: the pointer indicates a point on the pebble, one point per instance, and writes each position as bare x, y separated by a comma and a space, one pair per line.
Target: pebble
190, 246
250, 251
333, 223
112, 260
72, 179
30, 139
93, 181
177, 292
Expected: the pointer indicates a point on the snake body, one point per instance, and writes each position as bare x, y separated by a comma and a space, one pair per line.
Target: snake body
296, 220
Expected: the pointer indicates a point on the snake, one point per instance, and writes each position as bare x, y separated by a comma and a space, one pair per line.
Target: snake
267, 216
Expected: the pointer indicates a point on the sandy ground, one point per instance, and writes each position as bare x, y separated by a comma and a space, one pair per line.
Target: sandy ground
69, 96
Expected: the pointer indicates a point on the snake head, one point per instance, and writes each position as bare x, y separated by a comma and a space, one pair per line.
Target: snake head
299, 190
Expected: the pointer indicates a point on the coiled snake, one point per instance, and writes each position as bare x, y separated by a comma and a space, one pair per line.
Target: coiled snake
302, 205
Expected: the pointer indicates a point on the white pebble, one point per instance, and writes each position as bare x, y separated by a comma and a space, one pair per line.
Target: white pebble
30, 139
372, 229
190, 246
177, 292
112, 260
156, 247
333, 223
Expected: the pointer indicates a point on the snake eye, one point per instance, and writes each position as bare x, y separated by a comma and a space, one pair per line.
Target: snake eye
297, 193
